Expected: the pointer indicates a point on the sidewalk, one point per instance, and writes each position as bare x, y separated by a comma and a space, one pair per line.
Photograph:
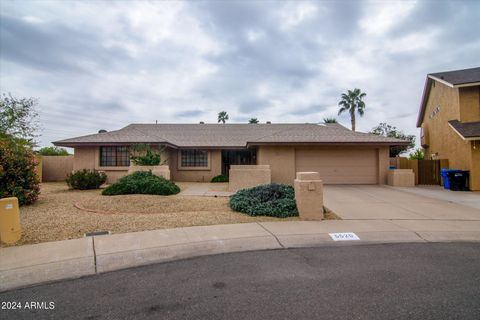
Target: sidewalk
38, 263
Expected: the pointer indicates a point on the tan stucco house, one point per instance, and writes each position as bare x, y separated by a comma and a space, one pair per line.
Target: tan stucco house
449, 119
198, 152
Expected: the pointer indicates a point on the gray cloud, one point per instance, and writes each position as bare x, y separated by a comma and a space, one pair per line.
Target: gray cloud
53, 47
277, 61
309, 110
190, 113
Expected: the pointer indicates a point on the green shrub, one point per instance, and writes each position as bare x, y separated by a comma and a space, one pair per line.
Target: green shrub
275, 200
418, 154
53, 151
86, 179
150, 158
143, 155
18, 176
142, 182
220, 178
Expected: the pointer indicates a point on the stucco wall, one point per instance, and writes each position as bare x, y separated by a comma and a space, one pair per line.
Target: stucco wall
248, 176
192, 174
84, 158
455, 104
89, 158
383, 154
281, 161
469, 104
56, 168
442, 139
475, 166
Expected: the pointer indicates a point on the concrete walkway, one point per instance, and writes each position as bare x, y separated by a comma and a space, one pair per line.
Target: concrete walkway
388, 203
38, 263
206, 189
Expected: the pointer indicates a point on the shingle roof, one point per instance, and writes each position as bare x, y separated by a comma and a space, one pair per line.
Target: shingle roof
466, 129
458, 77
229, 135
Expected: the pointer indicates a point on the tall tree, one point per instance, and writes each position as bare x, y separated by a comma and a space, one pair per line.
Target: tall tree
352, 102
18, 117
53, 151
387, 130
222, 116
253, 120
330, 120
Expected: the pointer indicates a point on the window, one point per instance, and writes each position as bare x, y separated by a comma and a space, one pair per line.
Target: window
194, 158
114, 157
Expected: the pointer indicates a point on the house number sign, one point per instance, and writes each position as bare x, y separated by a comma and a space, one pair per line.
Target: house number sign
344, 236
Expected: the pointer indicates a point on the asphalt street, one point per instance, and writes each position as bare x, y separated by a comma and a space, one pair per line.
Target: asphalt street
389, 281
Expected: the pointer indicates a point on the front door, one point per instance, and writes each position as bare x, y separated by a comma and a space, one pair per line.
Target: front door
237, 157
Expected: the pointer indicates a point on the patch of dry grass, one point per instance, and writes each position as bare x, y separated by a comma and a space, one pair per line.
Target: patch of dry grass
54, 216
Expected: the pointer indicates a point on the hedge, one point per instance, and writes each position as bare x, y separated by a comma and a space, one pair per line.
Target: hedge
274, 200
142, 182
86, 179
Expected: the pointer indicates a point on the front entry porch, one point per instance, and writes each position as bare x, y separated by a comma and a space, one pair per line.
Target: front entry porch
237, 157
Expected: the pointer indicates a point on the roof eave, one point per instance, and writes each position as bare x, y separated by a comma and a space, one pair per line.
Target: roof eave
461, 135
423, 103
100, 144
455, 85
333, 143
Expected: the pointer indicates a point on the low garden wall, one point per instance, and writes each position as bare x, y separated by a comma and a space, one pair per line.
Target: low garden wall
56, 168
401, 178
248, 176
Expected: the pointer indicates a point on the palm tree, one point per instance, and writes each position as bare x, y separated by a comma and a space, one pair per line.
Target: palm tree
330, 120
253, 120
352, 102
222, 116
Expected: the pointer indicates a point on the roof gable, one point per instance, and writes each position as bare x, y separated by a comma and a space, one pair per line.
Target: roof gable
453, 79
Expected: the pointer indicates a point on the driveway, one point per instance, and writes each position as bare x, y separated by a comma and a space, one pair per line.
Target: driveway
388, 203
469, 199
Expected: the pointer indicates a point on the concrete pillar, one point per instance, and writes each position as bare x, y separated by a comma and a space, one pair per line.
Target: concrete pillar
10, 229
309, 195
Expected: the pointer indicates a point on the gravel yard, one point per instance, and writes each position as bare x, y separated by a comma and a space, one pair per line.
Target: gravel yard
56, 215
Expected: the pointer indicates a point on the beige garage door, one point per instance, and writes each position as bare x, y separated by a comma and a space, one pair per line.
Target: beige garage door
339, 165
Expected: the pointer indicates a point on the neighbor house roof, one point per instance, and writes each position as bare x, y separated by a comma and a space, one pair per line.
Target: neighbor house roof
467, 130
453, 79
229, 135
457, 77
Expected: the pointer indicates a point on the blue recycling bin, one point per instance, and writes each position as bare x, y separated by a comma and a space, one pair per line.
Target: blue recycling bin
444, 173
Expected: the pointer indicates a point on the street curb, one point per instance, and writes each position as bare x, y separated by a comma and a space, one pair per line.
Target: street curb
52, 261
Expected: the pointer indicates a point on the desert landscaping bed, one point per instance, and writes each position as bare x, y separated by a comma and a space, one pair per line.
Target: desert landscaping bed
56, 215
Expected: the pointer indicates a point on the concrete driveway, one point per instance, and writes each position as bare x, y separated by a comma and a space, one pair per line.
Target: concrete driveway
388, 203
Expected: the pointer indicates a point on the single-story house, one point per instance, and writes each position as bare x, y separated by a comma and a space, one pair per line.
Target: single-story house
449, 119
199, 152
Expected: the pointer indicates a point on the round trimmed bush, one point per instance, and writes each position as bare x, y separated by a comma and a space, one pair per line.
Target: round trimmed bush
142, 182
220, 178
274, 200
86, 179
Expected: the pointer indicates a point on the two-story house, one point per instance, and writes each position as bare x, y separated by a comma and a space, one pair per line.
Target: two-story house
449, 119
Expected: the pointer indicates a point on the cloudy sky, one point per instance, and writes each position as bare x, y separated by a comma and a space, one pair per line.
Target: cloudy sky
102, 65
